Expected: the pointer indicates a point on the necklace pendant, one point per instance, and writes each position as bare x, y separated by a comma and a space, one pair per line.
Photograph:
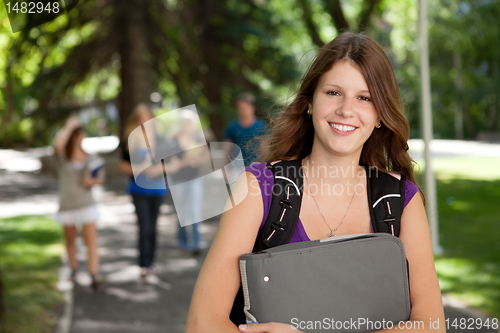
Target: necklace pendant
331, 234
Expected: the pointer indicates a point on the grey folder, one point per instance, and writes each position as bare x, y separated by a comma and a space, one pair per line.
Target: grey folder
351, 279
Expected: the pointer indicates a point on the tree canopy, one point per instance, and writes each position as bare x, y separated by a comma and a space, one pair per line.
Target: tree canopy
113, 54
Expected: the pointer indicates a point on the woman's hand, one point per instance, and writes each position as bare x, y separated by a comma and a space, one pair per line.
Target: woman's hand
154, 171
98, 180
72, 123
88, 182
195, 157
268, 328
191, 159
157, 169
64, 133
173, 166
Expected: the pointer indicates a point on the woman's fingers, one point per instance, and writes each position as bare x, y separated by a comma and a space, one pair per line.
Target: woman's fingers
261, 328
268, 328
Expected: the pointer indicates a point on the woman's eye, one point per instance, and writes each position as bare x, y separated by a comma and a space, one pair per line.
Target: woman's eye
364, 98
336, 93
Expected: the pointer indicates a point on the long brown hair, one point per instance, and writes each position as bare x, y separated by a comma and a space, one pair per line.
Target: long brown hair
133, 119
69, 149
293, 132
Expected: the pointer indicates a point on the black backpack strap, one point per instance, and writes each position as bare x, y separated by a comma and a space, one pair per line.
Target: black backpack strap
285, 205
386, 197
281, 221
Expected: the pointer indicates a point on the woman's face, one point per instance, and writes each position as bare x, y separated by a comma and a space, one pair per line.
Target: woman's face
343, 113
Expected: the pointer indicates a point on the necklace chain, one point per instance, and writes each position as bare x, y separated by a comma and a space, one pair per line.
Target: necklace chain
332, 231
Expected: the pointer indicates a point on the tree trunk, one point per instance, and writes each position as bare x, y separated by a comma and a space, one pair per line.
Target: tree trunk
495, 119
463, 107
2, 306
366, 14
133, 49
10, 99
213, 77
469, 123
311, 28
459, 113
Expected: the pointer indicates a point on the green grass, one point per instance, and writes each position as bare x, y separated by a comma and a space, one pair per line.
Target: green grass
30, 255
469, 225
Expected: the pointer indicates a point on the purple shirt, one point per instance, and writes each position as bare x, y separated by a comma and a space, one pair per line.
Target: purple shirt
266, 181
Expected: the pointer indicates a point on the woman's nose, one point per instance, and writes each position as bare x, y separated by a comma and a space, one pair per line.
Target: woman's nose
345, 109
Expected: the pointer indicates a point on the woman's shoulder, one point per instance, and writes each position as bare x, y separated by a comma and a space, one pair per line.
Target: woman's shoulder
264, 177
410, 187
410, 190
259, 170
261, 122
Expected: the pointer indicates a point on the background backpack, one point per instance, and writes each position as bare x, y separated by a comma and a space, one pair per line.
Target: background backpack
386, 198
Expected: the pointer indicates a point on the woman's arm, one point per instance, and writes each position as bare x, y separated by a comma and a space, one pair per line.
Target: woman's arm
63, 134
90, 181
426, 302
204, 155
219, 278
173, 165
126, 168
152, 171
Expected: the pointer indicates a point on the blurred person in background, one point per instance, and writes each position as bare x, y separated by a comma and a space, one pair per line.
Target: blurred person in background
189, 195
150, 193
245, 130
76, 204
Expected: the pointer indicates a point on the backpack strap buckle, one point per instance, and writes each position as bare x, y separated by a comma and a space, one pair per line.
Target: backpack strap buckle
286, 204
390, 218
277, 226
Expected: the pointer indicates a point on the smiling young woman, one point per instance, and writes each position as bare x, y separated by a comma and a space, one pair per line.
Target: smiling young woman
347, 113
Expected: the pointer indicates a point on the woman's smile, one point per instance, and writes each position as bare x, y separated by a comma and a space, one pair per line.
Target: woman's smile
342, 129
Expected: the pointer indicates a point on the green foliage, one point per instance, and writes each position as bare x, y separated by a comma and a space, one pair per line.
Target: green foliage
30, 255
194, 53
464, 64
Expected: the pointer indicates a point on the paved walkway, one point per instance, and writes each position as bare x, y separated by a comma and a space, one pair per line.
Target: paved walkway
123, 303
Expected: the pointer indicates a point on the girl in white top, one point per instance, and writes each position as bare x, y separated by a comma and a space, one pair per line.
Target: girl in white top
76, 205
